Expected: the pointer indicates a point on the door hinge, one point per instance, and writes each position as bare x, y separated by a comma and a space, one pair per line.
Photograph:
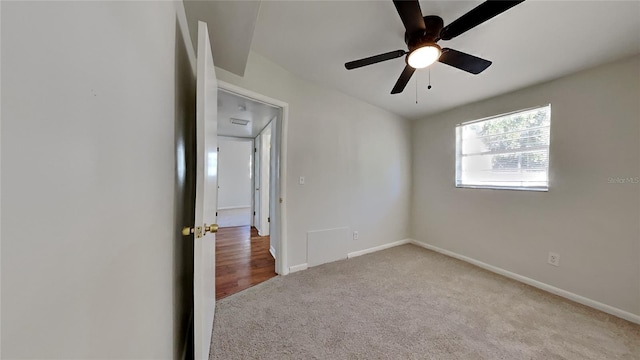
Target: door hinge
268, 219
254, 213
218, 149
255, 150
216, 213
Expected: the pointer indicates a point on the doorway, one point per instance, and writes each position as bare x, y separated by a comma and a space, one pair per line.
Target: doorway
235, 177
249, 174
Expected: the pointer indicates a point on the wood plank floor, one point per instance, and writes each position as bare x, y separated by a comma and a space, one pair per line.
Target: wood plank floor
242, 260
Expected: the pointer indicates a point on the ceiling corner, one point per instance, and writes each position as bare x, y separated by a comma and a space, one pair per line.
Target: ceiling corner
231, 26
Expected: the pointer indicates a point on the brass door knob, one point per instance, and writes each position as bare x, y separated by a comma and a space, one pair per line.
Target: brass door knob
213, 228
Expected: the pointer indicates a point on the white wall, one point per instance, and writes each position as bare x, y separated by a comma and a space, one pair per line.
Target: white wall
93, 95
355, 157
234, 173
594, 225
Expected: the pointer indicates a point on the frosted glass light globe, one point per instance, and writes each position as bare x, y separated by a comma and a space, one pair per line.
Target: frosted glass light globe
424, 56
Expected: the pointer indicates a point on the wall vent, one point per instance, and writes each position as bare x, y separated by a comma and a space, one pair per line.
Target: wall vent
239, 121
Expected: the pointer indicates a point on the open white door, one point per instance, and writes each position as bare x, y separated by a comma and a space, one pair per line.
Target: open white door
204, 281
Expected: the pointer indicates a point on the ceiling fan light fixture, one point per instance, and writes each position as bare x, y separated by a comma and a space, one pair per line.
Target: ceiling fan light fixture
424, 56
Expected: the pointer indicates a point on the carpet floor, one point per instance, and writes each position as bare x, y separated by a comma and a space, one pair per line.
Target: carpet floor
410, 303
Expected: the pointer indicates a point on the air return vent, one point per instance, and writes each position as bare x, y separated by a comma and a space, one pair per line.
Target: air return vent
239, 121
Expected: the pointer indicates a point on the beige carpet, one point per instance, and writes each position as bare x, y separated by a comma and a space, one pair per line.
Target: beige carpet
411, 303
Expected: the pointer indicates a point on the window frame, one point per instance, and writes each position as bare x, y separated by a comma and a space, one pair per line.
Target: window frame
458, 142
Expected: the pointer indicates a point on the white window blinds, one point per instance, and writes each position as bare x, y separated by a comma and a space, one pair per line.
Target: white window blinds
508, 151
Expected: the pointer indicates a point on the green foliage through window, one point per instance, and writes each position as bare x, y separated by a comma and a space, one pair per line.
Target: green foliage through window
505, 151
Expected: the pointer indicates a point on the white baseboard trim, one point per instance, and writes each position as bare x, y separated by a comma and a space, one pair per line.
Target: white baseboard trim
377, 248
234, 207
299, 267
272, 251
535, 283
350, 255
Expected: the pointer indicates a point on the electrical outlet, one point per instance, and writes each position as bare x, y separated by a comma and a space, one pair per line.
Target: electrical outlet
554, 259
355, 235
301, 180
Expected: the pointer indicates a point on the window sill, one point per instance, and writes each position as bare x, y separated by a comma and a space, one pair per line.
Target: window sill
536, 189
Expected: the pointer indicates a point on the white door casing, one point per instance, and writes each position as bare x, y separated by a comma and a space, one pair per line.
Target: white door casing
206, 195
265, 180
257, 184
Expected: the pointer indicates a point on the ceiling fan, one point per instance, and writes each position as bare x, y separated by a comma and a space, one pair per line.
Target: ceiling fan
424, 32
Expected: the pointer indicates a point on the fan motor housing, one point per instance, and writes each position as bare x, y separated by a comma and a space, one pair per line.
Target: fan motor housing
430, 35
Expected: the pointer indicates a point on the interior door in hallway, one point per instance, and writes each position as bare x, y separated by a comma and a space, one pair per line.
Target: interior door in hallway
265, 182
256, 181
206, 196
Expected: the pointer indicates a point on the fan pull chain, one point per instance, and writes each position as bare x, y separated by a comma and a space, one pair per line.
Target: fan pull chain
429, 86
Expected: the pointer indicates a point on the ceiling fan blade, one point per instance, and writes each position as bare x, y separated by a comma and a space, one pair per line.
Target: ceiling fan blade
374, 59
463, 61
410, 14
403, 79
475, 17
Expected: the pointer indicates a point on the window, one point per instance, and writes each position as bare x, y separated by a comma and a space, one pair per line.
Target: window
508, 151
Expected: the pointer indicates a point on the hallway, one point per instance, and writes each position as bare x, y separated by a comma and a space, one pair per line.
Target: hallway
242, 260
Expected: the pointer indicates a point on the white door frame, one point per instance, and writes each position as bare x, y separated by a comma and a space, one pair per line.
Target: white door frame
280, 145
256, 183
264, 215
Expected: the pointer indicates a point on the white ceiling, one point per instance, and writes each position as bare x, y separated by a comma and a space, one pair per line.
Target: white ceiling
231, 106
531, 43
231, 25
